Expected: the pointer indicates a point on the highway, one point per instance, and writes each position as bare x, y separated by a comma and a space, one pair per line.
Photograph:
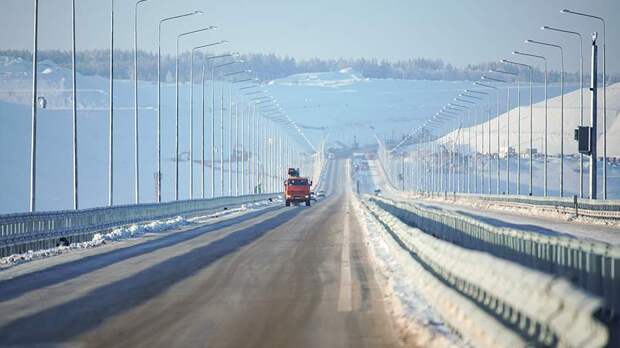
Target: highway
279, 277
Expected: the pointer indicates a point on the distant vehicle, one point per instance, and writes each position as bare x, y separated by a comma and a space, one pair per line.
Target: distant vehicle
377, 192
312, 196
296, 188
320, 193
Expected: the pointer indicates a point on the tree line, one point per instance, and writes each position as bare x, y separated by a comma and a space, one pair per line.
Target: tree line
270, 66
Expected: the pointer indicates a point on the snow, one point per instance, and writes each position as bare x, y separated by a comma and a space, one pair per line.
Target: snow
335, 79
572, 115
528, 211
345, 102
121, 233
132, 231
416, 319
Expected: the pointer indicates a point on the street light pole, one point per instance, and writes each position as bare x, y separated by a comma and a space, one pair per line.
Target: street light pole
202, 161
465, 159
519, 126
578, 35
74, 109
464, 95
135, 103
561, 108
111, 117
33, 134
176, 156
450, 173
602, 20
236, 147
508, 126
545, 181
222, 145
460, 159
497, 184
161, 22
482, 137
191, 114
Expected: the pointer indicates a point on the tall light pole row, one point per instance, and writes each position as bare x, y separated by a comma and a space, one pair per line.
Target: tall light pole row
239, 120
463, 162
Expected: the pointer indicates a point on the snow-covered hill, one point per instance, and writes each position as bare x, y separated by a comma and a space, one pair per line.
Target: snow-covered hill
345, 103
572, 116
334, 79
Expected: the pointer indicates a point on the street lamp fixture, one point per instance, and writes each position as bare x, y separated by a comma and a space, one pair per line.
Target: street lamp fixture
602, 20
561, 107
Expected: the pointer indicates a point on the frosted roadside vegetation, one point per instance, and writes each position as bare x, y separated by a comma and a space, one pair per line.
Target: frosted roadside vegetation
130, 232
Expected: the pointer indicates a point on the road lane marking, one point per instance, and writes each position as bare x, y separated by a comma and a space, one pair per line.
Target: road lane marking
344, 300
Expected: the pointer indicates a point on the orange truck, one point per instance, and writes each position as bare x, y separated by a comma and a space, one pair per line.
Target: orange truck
296, 188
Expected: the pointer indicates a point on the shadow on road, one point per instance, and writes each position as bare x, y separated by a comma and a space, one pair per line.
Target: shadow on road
20, 285
502, 223
73, 318
521, 227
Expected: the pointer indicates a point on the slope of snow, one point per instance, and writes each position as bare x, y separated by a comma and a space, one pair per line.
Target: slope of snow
572, 117
334, 79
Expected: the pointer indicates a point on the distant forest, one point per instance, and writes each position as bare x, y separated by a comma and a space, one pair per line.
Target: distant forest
270, 66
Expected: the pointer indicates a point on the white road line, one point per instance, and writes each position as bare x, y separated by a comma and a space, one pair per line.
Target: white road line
344, 300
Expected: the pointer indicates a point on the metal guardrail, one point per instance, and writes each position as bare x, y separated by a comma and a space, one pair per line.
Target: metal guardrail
603, 209
40, 230
599, 208
592, 265
542, 309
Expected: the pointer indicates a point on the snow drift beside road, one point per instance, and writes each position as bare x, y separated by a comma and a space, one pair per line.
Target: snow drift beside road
132, 231
127, 232
417, 320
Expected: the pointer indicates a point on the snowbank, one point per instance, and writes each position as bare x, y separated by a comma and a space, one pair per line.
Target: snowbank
419, 324
126, 232
131, 231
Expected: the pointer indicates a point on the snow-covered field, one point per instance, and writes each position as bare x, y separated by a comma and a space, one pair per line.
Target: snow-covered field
54, 190
346, 103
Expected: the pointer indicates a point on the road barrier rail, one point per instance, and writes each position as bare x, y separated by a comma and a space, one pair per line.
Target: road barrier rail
601, 209
543, 310
589, 264
594, 208
22, 232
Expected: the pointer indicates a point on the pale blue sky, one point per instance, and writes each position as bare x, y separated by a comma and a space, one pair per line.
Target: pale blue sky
459, 32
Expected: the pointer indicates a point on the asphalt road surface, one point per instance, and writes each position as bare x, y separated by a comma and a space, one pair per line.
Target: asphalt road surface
281, 277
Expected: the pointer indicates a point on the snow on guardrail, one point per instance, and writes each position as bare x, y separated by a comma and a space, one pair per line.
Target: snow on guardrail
591, 265
22, 232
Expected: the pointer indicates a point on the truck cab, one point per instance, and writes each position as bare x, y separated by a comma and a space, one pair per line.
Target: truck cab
296, 189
